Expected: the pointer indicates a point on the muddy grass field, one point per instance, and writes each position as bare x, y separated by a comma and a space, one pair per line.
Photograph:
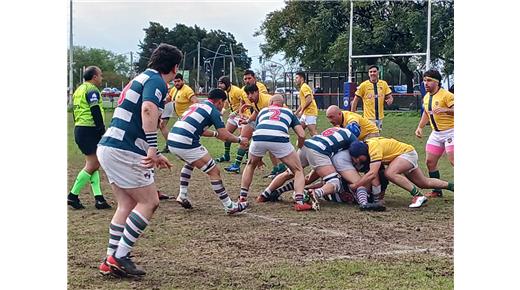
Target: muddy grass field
271, 245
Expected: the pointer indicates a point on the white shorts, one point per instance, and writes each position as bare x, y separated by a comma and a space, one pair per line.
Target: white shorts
189, 155
309, 120
411, 157
279, 150
342, 161
123, 168
168, 111
378, 123
234, 120
440, 141
314, 159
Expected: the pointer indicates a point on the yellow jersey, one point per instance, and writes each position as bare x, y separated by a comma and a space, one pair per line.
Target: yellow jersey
235, 94
181, 98
263, 102
386, 149
441, 99
367, 92
312, 109
366, 126
261, 88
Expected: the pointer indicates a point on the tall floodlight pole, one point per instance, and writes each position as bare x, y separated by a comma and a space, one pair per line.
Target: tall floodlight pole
350, 42
71, 81
234, 64
428, 35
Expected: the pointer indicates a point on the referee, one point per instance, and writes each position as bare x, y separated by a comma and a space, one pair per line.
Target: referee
89, 128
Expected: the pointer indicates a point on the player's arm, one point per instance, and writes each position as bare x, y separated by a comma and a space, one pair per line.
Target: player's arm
251, 118
308, 101
193, 99
389, 99
369, 176
93, 99
355, 101
422, 123
449, 111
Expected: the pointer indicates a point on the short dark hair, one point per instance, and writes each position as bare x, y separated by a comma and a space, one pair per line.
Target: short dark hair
249, 72
164, 58
433, 73
178, 76
373, 66
249, 89
301, 74
90, 72
225, 80
217, 94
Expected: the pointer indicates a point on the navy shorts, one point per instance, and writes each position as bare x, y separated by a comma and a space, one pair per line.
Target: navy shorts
87, 139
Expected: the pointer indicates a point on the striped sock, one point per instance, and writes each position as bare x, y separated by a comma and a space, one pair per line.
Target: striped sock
319, 193
244, 191
285, 188
135, 225
362, 195
435, 174
115, 231
227, 148
298, 198
219, 189
186, 172
415, 191
95, 183
82, 179
266, 193
240, 155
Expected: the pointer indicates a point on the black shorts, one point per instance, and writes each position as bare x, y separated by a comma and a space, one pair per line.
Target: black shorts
87, 139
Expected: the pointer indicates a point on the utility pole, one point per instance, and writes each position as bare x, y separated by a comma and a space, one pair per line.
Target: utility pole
234, 64
198, 65
71, 49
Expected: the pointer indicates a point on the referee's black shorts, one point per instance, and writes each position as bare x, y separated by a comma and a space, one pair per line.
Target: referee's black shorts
87, 139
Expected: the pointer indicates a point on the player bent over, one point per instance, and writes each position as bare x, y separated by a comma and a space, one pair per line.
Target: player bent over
316, 152
183, 141
272, 134
128, 152
402, 169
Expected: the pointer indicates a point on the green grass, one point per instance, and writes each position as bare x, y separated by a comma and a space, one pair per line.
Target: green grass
336, 248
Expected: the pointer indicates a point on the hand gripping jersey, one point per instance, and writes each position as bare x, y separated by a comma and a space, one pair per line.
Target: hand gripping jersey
186, 132
126, 128
331, 141
273, 124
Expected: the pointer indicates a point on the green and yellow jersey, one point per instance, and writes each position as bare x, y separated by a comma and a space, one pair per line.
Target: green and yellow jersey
86, 96
441, 99
312, 109
386, 149
373, 96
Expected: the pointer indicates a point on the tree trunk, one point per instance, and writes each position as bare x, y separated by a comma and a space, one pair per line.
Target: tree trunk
403, 65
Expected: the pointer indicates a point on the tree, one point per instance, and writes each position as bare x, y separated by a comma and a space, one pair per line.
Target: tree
186, 39
316, 33
115, 67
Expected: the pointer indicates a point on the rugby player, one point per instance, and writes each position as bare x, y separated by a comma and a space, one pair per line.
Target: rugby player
439, 110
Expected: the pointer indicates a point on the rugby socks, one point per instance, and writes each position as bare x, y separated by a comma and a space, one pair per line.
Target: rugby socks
280, 167
435, 174
298, 198
135, 225
319, 193
451, 186
244, 191
186, 172
82, 179
95, 184
267, 193
219, 189
285, 188
240, 155
227, 148
415, 191
116, 232
376, 192
362, 195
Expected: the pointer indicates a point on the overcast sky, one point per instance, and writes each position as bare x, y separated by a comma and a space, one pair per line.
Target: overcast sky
118, 25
